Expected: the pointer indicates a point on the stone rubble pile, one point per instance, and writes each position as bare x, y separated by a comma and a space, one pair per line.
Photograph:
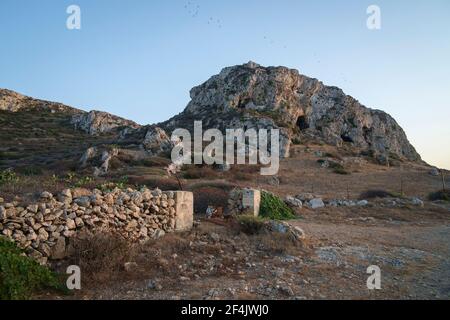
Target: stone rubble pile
44, 228
315, 202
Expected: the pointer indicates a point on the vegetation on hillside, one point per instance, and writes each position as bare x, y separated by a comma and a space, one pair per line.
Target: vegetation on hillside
21, 276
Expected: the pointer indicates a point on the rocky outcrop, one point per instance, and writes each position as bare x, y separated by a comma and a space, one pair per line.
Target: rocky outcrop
13, 102
252, 96
93, 122
97, 122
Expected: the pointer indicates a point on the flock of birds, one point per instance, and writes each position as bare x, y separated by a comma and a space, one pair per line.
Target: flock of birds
193, 10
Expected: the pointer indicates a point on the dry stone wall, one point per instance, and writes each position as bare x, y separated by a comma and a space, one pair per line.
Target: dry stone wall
44, 228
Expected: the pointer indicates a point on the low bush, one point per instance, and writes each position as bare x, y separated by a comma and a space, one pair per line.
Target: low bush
272, 207
440, 195
21, 276
372, 194
251, 225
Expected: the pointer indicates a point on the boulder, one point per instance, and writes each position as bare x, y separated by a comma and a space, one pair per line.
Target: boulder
97, 122
293, 202
316, 203
83, 201
305, 197
156, 141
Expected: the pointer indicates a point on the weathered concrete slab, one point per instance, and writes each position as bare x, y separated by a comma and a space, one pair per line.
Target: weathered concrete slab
184, 206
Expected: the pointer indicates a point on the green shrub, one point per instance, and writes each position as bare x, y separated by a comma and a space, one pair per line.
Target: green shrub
273, 207
440, 195
21, 276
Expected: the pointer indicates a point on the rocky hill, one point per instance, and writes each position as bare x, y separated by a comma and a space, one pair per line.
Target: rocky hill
246, 96
93, 122
14, 102
252, 96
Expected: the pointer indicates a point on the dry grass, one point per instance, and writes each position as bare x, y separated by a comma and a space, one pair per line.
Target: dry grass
101, 256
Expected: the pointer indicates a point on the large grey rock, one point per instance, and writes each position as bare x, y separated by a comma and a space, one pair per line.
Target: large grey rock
417, 202
59, 249
435, 172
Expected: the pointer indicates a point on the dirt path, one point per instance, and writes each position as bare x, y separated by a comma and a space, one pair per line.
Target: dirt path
216, 262
414, 260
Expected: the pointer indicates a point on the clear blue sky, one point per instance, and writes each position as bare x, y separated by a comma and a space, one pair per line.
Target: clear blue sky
139, 58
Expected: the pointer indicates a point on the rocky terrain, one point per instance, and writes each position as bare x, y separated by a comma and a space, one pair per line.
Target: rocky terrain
360, 194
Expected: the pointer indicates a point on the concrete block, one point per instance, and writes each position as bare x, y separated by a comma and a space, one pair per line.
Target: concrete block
184, 206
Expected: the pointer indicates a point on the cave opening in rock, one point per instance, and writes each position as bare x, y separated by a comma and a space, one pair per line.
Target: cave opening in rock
302, 123
346, 138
